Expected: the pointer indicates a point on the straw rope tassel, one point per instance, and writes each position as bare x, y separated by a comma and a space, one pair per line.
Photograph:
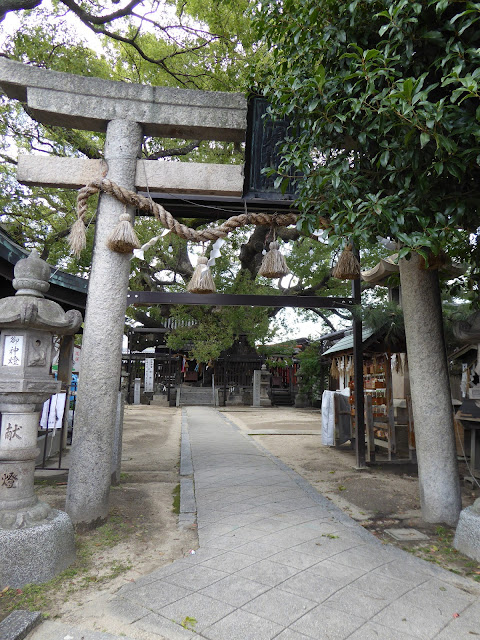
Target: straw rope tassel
123, 238
169, 222
347, 267
273, 263
202, 279
77, 239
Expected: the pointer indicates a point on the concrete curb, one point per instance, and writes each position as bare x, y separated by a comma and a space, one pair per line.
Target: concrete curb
188, 506
18, 624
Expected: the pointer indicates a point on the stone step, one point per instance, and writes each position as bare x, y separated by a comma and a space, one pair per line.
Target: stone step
160, 400
196, 396
282, 398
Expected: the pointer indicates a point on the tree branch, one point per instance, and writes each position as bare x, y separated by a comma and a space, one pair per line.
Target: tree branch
251, 252
158, 61
299, 291
17, 5
324, 318
9, 159
175, 151
90, 18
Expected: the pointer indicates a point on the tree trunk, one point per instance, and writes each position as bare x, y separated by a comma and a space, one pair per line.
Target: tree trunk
430, 388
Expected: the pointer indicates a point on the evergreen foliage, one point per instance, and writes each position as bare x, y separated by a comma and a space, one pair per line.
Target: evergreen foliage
384, 101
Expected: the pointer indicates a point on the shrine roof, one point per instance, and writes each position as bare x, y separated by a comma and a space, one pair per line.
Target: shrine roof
346, 343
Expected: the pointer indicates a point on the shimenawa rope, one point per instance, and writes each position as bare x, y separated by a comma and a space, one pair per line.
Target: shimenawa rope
166, 219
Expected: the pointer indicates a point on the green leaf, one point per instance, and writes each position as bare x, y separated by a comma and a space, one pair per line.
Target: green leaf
384, 158
372, 53
320, 76
408, 88
424, 139
404, 251
383, 29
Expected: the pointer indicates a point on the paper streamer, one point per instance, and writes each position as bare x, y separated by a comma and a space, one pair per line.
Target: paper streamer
215, 252
140, 253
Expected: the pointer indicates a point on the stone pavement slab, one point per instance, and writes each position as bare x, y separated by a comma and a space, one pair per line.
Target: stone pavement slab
283, 562
278, 560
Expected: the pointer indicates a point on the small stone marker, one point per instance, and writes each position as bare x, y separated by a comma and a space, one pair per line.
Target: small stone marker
467, 536
406, 535
261, 384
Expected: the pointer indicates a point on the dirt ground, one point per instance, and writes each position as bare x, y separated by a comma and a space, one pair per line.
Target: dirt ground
142, 534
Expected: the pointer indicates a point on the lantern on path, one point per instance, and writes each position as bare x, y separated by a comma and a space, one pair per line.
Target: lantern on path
36, 542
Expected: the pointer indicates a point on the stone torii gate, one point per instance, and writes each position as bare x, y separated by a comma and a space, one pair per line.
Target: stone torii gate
126, 112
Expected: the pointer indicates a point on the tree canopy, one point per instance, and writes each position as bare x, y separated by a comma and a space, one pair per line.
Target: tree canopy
42, 217
384, 103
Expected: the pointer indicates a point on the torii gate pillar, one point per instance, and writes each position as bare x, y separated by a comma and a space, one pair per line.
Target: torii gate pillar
90, 472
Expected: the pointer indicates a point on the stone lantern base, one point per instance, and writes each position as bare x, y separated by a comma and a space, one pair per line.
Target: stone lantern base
36, 553
467, 535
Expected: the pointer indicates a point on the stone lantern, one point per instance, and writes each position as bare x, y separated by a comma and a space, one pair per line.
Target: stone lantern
301, 399
467, 535
36, 542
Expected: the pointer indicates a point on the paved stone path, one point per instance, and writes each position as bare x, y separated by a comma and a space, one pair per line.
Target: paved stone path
277, 560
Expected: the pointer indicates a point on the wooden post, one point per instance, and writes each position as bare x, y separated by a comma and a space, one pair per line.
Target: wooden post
64, 374
411, 430
369, 426
392, 436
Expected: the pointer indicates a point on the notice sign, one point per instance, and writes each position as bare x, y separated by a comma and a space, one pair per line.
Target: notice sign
12, 351
149, 370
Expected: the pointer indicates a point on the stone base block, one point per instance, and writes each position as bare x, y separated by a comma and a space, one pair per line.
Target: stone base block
302, 401
234, 400
36, 554
467, 536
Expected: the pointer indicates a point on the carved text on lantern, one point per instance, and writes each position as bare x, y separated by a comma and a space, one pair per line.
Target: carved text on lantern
9, 479
11, 431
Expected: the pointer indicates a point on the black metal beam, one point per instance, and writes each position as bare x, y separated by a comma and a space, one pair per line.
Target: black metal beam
216, 207
143, 298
